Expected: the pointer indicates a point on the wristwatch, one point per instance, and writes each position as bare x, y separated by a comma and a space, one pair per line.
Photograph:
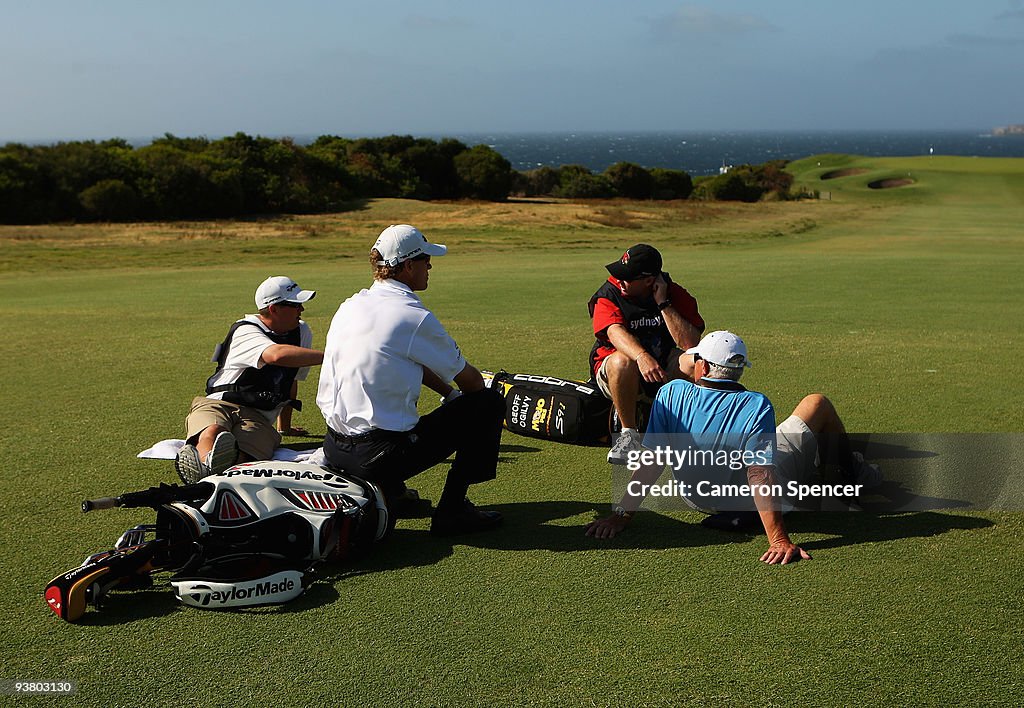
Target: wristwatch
620, 510
663, 305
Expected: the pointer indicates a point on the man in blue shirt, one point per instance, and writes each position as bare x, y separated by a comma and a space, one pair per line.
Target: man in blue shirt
718, 415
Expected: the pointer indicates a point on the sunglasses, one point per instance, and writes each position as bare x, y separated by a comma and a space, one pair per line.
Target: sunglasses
285, 303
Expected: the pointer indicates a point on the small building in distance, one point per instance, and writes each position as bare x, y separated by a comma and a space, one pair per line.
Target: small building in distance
1009, 130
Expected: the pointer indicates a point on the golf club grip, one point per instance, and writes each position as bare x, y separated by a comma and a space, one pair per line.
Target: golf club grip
101, 503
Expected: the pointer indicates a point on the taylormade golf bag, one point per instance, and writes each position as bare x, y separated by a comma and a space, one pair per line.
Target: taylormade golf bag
247, 536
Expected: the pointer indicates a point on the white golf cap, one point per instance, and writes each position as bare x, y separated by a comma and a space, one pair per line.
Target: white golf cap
722, 348
281, 289
398, 243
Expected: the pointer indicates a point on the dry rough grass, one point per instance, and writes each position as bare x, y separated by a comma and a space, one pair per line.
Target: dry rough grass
473, 226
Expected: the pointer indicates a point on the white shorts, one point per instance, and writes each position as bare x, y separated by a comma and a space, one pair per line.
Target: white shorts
602, 379
796, 451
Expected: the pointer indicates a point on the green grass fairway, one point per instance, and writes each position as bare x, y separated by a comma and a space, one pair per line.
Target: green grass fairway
905, 305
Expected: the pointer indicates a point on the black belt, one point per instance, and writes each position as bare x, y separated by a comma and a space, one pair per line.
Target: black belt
369, 436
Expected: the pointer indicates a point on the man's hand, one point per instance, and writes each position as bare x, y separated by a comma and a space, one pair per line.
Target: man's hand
628, 346
782, 552
451, 396
650, 369
660, 288
608, 527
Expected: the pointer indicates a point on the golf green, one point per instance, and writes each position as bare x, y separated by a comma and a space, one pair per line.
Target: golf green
897, 294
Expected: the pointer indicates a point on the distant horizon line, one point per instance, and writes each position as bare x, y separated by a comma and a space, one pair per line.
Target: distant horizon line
138, 139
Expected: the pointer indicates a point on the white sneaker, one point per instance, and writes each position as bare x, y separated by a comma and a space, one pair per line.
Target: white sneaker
188, 465
868, 473
628, 441
223, 454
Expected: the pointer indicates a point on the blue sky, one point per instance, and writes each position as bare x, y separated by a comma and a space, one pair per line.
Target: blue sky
136, 69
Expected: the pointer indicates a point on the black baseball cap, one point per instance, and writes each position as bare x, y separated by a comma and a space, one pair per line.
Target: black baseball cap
638, 261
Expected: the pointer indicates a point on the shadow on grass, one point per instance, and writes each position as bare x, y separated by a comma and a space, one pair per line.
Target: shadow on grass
873, 448
895, 497
528, 527
128, 606
854, 528
315, 441
352, 205
304, 446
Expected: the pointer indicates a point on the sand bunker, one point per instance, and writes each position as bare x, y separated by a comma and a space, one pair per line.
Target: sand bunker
889, 183
848, 172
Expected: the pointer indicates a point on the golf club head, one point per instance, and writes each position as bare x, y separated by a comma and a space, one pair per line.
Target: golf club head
70, 593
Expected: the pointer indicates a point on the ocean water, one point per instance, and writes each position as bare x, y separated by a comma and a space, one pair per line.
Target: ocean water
704, 153
701, 153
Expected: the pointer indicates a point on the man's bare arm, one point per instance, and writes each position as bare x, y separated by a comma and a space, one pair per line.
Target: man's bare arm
780, 548
469, 379
628, 345
684, 334
435, 383
611, 525
291, 355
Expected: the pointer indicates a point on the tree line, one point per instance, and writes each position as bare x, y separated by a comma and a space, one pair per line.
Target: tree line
187, 178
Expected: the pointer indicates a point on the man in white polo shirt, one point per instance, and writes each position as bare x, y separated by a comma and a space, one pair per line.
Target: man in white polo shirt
382, 347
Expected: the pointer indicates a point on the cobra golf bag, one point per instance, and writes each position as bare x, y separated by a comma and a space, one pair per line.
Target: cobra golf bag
248, 536
562, 410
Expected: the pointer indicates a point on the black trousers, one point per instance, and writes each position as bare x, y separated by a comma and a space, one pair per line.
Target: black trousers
469, 426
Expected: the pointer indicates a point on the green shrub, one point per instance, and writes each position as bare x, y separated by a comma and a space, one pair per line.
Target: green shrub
534, 183
671, 184
630, 181
577, 182
483, 174
110, 200
729, 187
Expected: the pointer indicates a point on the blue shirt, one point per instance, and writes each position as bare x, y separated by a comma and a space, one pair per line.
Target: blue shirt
712, 419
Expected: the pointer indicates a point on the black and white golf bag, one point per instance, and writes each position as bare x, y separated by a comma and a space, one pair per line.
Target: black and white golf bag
248, 536
562, 410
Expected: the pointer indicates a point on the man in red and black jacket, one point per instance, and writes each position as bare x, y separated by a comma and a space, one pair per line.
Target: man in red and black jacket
643, 323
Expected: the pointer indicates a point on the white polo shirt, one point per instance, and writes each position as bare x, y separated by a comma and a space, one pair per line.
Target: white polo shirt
247, 347
246, 352
379, 341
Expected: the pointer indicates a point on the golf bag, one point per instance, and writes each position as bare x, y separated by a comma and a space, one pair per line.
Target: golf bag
555, 409
248, 536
